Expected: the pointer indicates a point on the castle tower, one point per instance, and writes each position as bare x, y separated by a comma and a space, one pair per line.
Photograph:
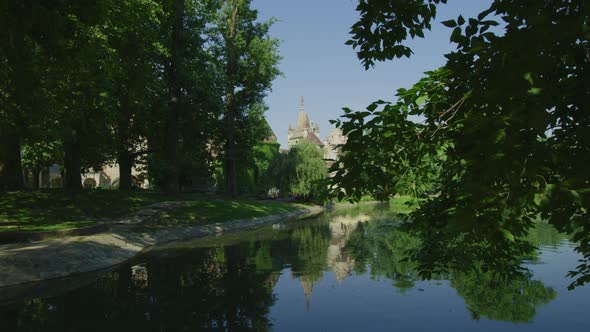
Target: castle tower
307, 290
304, 129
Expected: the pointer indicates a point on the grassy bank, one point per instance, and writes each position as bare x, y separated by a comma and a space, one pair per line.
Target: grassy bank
218, 210
56, 210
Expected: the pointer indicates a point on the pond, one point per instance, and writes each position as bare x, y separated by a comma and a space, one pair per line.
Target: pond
340, 272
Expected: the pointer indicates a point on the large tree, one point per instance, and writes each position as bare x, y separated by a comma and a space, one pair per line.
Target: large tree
19, 84
134, 49
509, 112
52, 85
248, 60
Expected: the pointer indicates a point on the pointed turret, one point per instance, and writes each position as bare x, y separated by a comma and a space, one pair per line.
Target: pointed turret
307, 290
302, 119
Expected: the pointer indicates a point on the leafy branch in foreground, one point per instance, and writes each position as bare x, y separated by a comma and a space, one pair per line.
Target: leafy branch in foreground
497, 138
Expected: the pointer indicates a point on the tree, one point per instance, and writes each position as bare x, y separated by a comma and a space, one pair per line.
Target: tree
133, 39
301, 171
19, 84
54, 54
249, 58
508, 111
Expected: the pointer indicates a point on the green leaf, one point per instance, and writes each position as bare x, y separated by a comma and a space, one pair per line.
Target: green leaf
535, 91
449, 23
461, 20
485, 13
372, 107
456, 35
528, 77
508, 235
421, 100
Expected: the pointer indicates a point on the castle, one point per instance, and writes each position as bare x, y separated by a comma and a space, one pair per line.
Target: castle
304, 131
309, 131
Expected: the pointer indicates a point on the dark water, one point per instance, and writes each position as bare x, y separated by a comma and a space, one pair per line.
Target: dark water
342, 272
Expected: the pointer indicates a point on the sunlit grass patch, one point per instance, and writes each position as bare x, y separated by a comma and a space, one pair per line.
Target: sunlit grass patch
226, 210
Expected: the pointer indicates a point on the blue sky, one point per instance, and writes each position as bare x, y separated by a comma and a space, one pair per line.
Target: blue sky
317, 65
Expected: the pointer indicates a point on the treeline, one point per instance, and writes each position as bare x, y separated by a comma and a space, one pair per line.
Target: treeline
175, 87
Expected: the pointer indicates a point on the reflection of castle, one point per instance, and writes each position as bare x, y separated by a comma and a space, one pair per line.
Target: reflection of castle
308, 131
341, 227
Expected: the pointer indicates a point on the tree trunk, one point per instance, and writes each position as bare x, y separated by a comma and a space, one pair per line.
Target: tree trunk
45, 181
27, 174
125, 166
36, 174
11, 175
231, 172
73, 166
124, 157
171, 146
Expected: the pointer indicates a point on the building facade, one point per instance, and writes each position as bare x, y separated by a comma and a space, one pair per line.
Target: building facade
333, 146
107, 177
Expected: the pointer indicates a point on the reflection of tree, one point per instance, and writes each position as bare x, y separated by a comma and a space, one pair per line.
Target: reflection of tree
230, 286
513, 299
543, 234
499, 295
382, 247
311, 242
216, 288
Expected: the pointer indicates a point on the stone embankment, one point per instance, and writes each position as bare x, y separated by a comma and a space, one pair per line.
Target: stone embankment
55, 258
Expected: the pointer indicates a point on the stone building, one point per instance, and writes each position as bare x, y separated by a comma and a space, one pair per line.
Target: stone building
107, 177
332, 146
305, 130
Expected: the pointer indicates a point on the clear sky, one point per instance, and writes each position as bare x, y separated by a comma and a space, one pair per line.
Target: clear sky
317, 65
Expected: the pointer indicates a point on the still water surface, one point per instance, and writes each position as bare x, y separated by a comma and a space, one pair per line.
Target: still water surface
340, 272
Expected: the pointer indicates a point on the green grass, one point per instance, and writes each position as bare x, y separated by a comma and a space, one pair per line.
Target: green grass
56, 210
399, 204
402, 204
218, 210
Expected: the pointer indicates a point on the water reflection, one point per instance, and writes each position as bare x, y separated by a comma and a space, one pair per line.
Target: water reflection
231, 283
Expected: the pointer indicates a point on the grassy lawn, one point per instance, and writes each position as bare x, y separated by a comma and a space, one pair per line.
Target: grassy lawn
399, 204
218, 210
56, 210
402, 204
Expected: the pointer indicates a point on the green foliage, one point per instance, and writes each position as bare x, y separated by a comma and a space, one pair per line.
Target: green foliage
246, 58
264, 153
300, 172
308, 168
85, 85
380, 37
505, 121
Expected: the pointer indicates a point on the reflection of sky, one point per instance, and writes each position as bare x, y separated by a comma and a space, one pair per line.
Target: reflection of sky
362, 304
569, 308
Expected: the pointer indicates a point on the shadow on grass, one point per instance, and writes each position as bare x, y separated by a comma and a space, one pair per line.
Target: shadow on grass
56, 210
